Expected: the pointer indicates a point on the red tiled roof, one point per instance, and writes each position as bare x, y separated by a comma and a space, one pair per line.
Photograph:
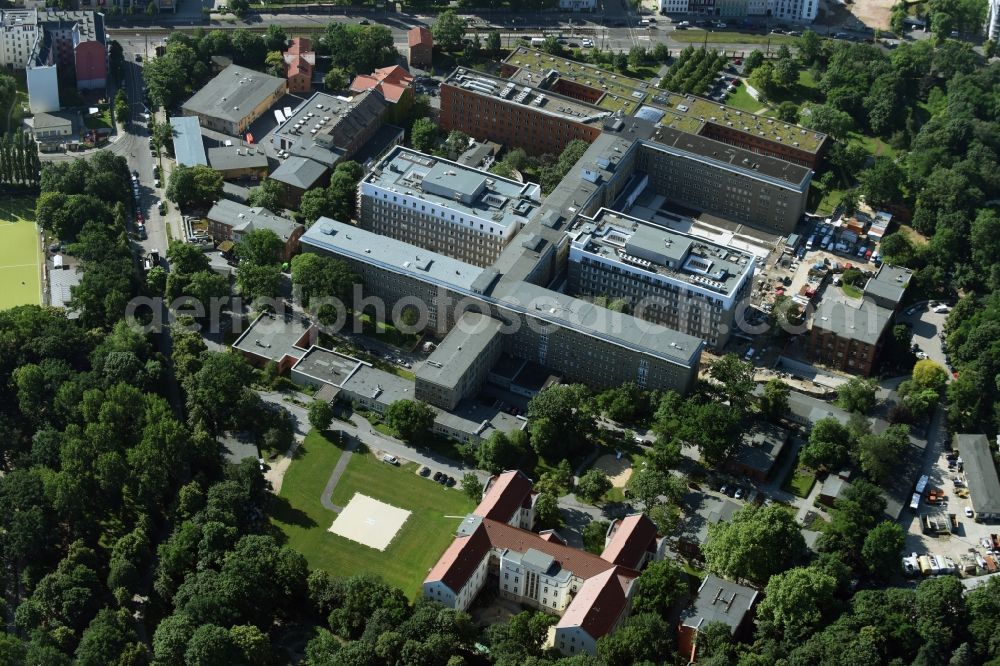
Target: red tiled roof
506, 494
599, 603
551, 536
419, 35
630, 540
461, 559
392, 82
299, 45
299, 66
578, 562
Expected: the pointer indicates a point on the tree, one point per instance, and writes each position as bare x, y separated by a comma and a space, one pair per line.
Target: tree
501, 451
774, 399
827, 119
648, 484
882, 183
260, 247
320, 414
559, 420
788, 112
592, 485
456, 144
594, 534
322, 277
882, 549
424, 134
795, 603
472, 486
214, 392
930, 375
879, 454
857, 394
662, 584
267, 195
252, 644
754, 545
829, 445
853, 516
122, 112
736, 377
256, 281
411, 419
274, 63
335, 79
547, 514
210, 645
493, 43
194, 187
753, 61
448, 30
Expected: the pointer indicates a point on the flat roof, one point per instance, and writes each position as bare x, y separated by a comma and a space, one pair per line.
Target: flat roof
474, 417
890, 282
326, 365
864, 323
524, 93
688, 113
233, 93
225, 158
614, 327
320, 127
388, 253
452, 186
760, 446
189, 148
274, 337
384, 387
980, 473
640, 246
719, 154
470, 336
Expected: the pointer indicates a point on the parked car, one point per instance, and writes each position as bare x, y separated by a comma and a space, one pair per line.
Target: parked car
425, 471
968, 512
437, 476
392, 460
450, 481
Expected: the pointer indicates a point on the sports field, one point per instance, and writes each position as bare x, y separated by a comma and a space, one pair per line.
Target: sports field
435, 514
20, 256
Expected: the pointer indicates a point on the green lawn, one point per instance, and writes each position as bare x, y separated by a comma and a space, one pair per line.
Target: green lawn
437, 512
698, 36
875, 146
20, 256
743, 100
100, 121
800, 481
851, 291
824, 201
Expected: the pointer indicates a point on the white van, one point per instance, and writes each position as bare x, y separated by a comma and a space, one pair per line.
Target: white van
811, 242
537, 41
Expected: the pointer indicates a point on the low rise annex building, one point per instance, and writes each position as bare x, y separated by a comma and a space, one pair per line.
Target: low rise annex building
235, 98
494, 546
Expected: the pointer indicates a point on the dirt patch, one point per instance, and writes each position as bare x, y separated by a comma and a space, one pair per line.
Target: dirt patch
619, 470
873, 13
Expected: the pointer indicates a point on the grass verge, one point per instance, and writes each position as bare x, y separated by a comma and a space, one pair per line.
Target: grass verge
800, 481
698, 36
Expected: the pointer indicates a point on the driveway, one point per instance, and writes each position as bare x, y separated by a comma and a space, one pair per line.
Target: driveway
927, 326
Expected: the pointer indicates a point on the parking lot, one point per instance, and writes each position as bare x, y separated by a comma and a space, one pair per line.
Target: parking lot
964, 542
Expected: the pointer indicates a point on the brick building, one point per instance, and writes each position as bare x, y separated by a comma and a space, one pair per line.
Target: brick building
420, 45
491, 108
848, 338
300, 60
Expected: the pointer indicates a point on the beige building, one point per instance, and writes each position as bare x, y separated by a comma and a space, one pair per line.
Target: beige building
697, 172
443, 206
459, 366
664, 276
235, 98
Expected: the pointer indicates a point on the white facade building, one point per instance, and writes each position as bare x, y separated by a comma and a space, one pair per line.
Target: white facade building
43, 88
18, 33
578, 5
993, 18
673, 6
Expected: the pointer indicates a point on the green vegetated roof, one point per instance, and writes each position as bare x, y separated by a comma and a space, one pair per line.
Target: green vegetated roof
687, 113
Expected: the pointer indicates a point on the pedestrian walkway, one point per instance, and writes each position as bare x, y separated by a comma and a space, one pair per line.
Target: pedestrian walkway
338, 471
